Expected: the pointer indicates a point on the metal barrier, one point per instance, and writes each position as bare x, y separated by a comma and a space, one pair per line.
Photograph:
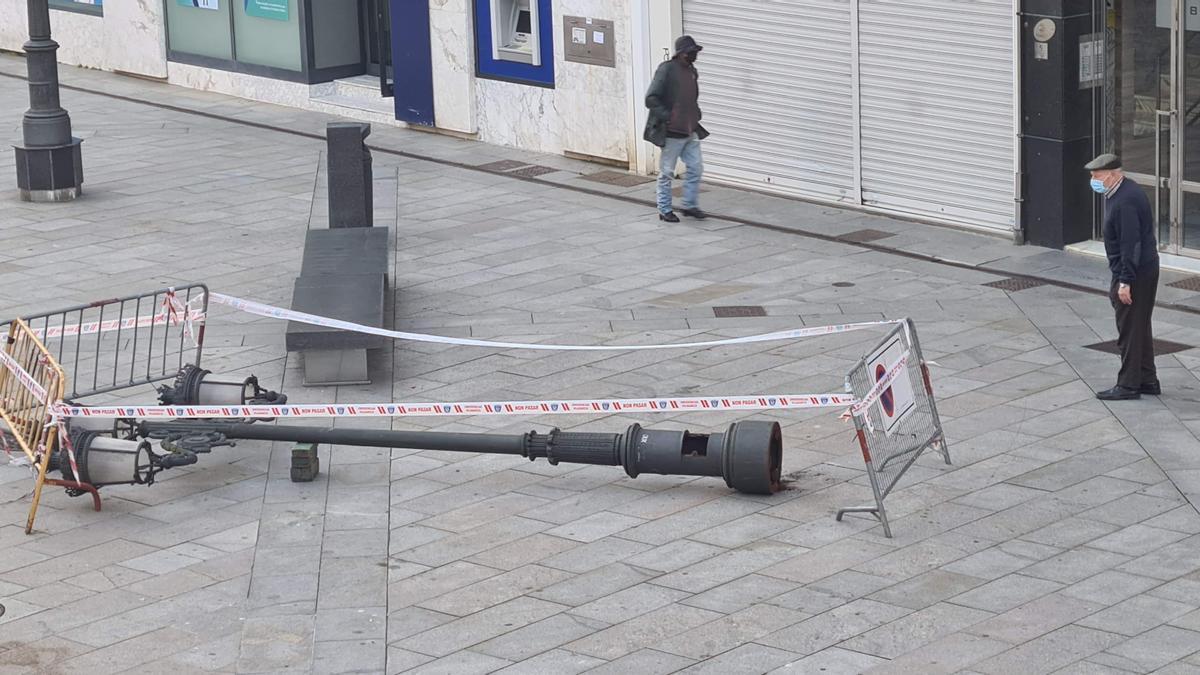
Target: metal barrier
31, 381
124, 342
902, 422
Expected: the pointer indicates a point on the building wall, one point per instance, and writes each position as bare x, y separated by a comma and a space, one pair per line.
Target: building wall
129, 38
587, 112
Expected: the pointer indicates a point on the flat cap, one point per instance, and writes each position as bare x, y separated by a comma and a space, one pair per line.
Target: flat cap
1104, 162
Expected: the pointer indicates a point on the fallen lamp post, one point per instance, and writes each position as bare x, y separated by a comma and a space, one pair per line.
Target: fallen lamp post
748, 454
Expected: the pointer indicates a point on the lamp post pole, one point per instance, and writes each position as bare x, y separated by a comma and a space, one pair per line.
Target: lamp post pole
49, 162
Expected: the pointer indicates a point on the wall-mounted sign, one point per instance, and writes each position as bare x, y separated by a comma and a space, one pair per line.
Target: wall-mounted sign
268, 9
200, 4
588, 40
1091, 60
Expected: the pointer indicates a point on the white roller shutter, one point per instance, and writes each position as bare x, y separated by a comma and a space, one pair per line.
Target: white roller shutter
775, 90
936, 100
928, 133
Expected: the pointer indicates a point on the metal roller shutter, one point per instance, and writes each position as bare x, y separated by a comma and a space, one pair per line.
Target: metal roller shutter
928, 133
776, 93
936, 100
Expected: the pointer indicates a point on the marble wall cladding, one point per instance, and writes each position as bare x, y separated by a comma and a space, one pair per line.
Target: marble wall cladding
281, 92
588, 111
130, 37
452, 43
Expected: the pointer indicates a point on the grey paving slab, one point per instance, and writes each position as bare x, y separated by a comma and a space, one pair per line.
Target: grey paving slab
1071, 521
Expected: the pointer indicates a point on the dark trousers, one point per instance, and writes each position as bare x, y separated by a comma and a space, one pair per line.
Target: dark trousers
1135, 339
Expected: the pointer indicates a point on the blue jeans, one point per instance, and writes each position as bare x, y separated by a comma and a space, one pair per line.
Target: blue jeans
687, 149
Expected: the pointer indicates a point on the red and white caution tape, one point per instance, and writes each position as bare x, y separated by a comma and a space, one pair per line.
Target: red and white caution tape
23, 376
261, 309
127, 323
576, 407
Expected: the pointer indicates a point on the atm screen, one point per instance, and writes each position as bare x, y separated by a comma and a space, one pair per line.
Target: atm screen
523, 22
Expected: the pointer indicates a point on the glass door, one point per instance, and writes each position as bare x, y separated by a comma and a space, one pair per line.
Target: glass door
1185, 219
1154, 77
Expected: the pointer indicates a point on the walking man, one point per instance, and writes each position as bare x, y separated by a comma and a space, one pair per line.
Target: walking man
674, 125
1132, 251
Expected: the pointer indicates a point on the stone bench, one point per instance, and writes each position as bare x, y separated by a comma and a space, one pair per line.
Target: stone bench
344, 275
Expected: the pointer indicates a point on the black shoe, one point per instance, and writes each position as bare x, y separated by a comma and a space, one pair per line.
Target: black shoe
695, 213
1119, 393
1151, 389
669, 216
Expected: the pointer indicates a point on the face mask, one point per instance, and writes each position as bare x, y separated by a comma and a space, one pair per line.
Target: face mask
1098, 186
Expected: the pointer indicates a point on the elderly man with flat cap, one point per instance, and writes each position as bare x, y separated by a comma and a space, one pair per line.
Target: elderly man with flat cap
1132, 251
673, 124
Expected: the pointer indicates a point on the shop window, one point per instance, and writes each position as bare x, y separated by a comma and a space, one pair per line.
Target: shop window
306, 41
514, 41
94, 7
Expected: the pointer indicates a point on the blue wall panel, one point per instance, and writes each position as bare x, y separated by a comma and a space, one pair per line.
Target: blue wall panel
412, 61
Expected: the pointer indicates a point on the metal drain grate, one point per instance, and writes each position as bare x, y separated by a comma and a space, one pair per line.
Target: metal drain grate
533, 171
1161, 347
864, 236
1188, 284
617, 178
735, 311
1016, 283
502, 165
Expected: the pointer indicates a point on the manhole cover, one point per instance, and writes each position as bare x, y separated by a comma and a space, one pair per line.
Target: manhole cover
532, 171
1016, 283
503, 165
1188, 284
734, 311
617, 178
843, 284
1161, 347
864, 236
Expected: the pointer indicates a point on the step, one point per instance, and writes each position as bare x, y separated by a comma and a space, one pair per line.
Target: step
377, 105
359, 85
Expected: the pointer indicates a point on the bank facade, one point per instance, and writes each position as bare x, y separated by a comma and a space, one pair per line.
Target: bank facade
971, 113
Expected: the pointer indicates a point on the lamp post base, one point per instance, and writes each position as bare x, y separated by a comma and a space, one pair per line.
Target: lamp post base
50, 174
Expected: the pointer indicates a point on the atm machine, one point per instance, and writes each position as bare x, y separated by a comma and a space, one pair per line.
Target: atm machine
514, 31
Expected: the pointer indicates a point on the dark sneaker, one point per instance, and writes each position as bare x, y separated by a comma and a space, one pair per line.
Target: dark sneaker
1119, 393
695, 213
1151, 389
669, 216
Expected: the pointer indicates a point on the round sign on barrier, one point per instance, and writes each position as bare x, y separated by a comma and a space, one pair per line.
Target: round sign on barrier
887, 400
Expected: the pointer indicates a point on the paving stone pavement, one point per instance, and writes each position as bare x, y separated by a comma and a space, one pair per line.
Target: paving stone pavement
1063, 538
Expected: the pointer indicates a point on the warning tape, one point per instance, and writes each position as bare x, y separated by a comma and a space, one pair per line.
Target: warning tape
260, 309
880, 387
23, 376
109, 325
576, 407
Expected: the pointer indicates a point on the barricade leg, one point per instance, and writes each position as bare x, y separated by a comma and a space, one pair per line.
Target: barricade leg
878, 510
39, 482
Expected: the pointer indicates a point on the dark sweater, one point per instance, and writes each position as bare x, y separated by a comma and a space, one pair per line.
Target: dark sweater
685, 113
1129, 239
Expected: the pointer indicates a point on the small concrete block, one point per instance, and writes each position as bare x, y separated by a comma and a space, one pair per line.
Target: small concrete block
306, 464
